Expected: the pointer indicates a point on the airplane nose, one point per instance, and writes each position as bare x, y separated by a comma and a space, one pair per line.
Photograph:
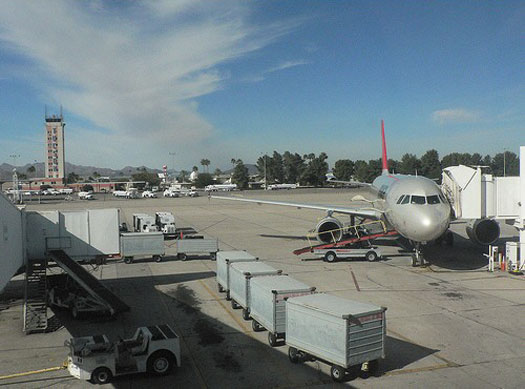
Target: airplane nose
429, 224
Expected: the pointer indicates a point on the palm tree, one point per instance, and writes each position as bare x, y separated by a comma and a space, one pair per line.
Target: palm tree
205, 163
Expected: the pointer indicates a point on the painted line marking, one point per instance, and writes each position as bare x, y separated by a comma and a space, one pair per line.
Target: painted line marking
355, 281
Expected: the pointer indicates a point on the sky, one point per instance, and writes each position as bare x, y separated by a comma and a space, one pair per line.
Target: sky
173, 82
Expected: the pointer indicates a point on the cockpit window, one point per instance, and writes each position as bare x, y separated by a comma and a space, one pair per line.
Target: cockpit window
433, 199
406, 199
400, 199
417, 200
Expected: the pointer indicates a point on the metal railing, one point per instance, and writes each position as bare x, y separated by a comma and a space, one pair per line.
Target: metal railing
357, 231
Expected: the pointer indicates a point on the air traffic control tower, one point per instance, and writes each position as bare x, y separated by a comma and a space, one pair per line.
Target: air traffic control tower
55, 153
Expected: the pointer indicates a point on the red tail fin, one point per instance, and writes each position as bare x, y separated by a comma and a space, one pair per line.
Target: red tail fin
385, 160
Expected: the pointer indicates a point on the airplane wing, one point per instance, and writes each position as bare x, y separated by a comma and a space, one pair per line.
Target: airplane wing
365, 211
349, 183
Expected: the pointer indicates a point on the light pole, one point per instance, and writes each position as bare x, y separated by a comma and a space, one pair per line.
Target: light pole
504, 162
173, 167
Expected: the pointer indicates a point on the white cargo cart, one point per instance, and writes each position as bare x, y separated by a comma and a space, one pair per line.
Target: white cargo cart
144, 244
240, 275
224, 260
371, 253
154, 349
268, 295
187, 247
342, 333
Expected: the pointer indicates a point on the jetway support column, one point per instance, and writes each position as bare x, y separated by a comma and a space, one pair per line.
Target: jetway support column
522, 206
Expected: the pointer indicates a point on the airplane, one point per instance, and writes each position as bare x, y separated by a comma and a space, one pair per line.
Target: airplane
220, 187
414, 206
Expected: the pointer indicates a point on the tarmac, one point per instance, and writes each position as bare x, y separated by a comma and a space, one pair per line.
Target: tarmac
450, 324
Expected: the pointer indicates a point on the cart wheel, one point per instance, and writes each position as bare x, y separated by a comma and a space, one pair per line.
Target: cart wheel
371, 256
245, 314
128, 260
182, 256
101, 376
213, 256
157, 258
257, 327
160, 363
220, 288
272, 339
235, 305
330, 256
373, 367
293, 355
337, 373
228, 297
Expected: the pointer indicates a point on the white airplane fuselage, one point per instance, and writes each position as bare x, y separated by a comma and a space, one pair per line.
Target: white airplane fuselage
414, 206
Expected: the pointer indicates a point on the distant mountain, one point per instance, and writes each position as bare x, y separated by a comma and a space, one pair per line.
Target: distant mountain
6, 170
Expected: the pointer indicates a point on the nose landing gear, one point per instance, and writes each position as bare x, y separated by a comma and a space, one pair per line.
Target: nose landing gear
417, 257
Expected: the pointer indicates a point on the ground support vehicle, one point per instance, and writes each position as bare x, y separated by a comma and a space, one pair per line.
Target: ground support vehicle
171, 193
165, 221
143, 222
153, 349
224, 260
371, 253
268, 297
85, 196
345, 334
144, 244
149, 194
186, 247
241, 273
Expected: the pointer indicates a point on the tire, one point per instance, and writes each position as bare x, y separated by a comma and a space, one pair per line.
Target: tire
414, 260
293, 355
234, 304
182, 256
337, 373
245, 314
101, 376
157, 258
330, 257
128, 260
228, 297
371, 256
257, 327
161, 363
272, 339
213, 256
220, 288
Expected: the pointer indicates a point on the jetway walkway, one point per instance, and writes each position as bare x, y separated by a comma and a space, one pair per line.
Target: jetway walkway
87, 281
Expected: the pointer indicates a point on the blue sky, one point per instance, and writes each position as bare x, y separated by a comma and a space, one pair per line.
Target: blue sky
218, 80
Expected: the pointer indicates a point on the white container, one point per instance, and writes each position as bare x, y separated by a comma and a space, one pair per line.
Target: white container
143, 244
187, 247
268, 295
224, 260
334, 330
241, 273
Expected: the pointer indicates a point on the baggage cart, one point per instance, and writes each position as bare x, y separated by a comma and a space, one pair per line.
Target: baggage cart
187, 247
224, 260
268, 295
342, 333
240, 275
144, 244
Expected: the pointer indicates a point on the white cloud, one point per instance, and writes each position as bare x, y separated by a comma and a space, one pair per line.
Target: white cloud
132, 68
457, 115
282, 66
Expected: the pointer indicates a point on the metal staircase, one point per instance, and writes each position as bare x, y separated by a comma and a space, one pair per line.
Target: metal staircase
35, 307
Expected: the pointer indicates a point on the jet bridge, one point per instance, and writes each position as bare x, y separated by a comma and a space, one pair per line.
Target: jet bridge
474, 195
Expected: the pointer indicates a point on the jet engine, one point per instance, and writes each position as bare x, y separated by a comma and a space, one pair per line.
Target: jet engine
329, 230
483, 231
